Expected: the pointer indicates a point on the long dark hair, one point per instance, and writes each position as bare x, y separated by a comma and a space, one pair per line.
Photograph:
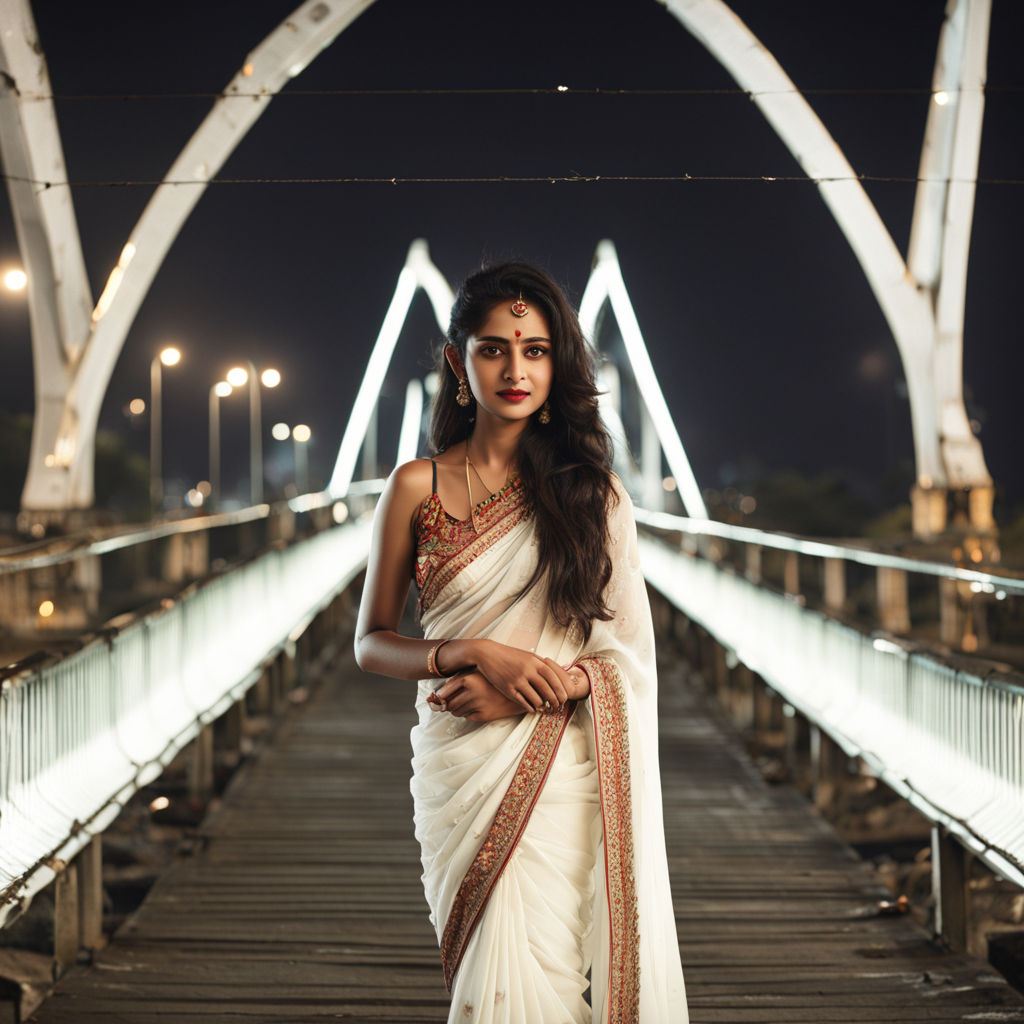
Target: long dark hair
565, 465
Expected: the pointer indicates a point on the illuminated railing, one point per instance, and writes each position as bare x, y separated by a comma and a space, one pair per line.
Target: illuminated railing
945, 732
79, 736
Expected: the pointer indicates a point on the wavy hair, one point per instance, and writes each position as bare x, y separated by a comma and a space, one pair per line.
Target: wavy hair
564, 465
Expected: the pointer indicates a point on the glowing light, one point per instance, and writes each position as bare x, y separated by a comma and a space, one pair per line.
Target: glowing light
170, 356
1000, 595
15, 280
606, 283
340, 512
970, 643
418, 272
248, 70
127, 255
137, 406
977, 588
563, 88
205, 488
237, 376
270, 378
412, 417
37, 530
941, 97
46, 609
160, 803
113, 283
976, 555
669, 483
50, 461
301, 433
280, 431
194, 498
747, 504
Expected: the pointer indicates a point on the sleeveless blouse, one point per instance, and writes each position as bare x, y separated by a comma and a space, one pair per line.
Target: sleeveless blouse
440, 537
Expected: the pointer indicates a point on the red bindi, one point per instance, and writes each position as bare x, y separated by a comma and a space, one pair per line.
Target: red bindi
518, 333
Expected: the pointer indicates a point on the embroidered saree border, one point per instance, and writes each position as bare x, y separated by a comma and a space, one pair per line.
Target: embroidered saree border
509, 823
608, 709
445, 546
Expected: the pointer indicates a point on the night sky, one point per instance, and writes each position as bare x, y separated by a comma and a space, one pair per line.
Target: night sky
768, 342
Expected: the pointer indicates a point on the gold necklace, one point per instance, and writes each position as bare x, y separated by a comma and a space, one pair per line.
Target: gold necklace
469, 485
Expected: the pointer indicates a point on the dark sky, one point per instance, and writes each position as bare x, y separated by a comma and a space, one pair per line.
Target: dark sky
759, 320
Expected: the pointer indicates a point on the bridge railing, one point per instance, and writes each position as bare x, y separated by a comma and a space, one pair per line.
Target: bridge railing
944, 730
81, 733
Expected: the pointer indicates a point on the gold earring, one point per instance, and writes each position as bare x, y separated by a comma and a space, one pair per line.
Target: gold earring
462, 395
544, 416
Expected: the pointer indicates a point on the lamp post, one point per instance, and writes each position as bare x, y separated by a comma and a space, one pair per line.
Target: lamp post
270, 378
219, 390
169, 356
300, 438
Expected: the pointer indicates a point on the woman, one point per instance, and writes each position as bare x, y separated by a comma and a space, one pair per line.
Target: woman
535, 767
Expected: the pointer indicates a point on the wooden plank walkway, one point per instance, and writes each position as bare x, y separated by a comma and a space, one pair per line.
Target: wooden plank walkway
304, 902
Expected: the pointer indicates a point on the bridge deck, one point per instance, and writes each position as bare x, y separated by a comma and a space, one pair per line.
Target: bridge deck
304, 902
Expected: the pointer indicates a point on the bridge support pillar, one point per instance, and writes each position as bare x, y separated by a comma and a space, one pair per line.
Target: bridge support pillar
753, 568
835, 584
928, 510
90, 895
829, 770
200, 782
66, 927
950, 870
891, 596
743, 698
791, 574
234, 731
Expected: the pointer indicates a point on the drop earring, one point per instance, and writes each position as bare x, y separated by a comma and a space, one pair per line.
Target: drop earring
462, 395
544, 416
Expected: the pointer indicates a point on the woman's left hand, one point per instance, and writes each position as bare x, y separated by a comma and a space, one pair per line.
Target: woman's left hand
574, 679
469, 695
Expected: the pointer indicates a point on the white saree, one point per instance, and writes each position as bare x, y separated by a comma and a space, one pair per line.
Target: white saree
541, 836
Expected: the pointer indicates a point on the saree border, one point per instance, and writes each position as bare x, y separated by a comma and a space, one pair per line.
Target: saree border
510, 822
611, 734
445, 546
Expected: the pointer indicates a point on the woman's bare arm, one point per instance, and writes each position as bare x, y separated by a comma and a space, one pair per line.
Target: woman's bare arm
521, 676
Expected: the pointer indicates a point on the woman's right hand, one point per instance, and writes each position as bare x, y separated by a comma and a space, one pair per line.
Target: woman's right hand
521, 676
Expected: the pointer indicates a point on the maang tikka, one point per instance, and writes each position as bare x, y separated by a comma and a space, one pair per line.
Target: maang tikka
520, 308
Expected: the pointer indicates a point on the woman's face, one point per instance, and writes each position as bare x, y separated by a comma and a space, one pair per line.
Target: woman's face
509, 363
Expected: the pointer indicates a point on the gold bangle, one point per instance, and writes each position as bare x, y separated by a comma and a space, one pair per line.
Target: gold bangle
432, 671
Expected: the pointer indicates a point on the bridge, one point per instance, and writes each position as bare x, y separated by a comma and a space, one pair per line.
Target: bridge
180, 711
297, 895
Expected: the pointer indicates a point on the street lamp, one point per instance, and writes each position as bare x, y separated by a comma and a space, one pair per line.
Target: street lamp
238, 376
219, 390
300, 438
300, 435
15, 279
169, 356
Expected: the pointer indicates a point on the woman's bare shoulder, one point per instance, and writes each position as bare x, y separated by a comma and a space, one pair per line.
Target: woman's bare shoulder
411, 481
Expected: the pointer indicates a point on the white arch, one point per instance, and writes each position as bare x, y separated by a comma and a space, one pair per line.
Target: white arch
418, 272
75, 347
606, 283
922, 302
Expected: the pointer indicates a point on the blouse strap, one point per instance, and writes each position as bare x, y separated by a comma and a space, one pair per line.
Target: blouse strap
433, 478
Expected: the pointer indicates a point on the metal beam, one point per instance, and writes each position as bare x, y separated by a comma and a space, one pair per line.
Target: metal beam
419, 272
60, 470
909, 305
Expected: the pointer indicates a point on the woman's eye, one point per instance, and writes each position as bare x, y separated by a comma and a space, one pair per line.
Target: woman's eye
537, 351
